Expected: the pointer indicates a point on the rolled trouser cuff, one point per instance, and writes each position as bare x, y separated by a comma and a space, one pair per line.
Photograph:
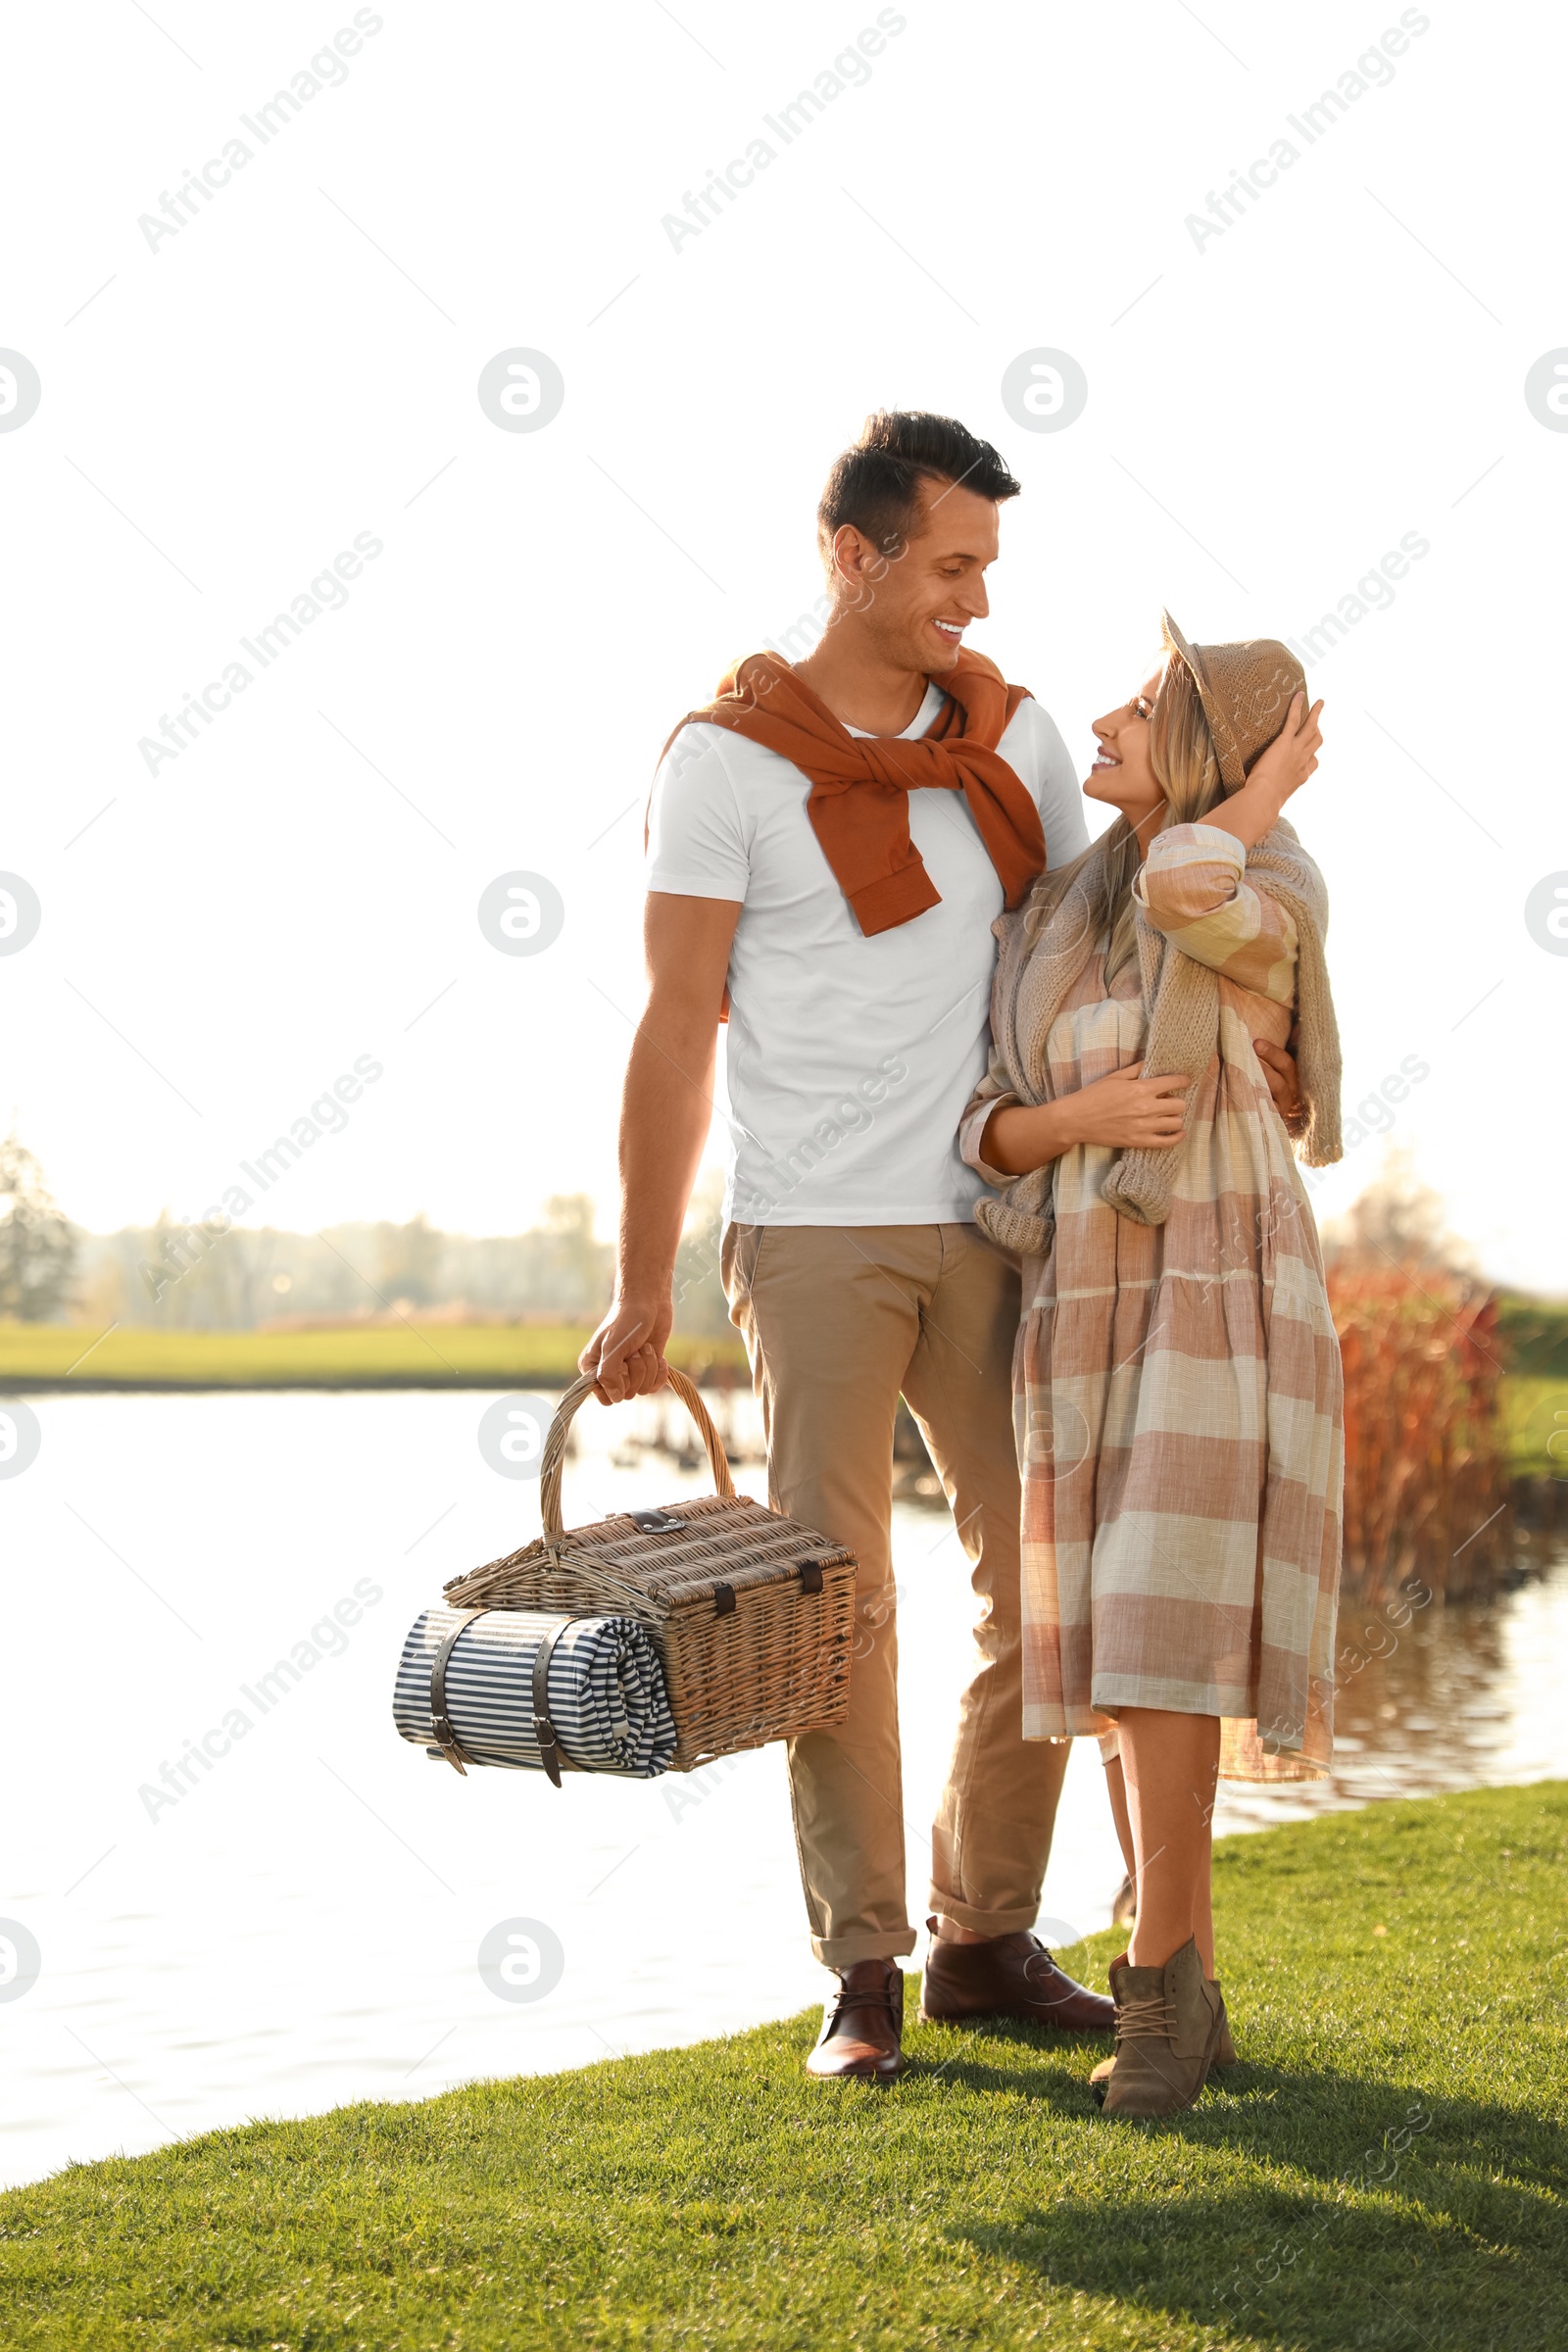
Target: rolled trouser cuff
984, 1923
843, 1952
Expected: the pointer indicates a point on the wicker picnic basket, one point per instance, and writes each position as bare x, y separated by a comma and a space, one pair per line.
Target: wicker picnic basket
752, 1615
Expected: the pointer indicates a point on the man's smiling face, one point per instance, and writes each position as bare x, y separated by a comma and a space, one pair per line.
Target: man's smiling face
915, 609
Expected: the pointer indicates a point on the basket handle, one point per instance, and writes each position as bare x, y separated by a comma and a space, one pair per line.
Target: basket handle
555, 1444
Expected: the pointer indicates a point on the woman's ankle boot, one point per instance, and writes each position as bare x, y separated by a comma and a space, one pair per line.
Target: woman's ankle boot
1169, 2021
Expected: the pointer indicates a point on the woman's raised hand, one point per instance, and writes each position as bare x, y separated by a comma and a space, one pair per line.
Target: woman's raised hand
1128, 1111
1275, 774
1292, 756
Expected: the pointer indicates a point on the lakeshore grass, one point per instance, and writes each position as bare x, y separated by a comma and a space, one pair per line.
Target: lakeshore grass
1535, 1415
477, 1355
412, 1355
1386, 2167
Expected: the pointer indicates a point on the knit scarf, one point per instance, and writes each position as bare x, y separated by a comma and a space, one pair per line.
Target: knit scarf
1042, 956
858, 808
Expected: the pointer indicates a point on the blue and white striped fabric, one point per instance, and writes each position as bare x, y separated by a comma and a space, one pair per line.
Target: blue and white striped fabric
608, 1697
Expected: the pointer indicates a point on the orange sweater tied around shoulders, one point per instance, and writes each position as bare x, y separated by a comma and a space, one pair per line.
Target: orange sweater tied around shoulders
858, 808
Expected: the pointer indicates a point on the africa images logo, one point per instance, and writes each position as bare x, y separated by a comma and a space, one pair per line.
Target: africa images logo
1546, 914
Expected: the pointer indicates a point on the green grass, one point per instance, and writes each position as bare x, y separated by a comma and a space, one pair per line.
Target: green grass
427, 1355
1386, 2169
1534, 1412
1535, 1334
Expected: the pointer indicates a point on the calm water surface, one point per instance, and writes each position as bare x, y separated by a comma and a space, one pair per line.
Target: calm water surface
301, 1928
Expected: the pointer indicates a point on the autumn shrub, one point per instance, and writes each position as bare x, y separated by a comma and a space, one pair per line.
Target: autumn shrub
1426, 1485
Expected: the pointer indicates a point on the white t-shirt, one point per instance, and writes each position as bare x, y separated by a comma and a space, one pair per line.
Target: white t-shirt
849, 1061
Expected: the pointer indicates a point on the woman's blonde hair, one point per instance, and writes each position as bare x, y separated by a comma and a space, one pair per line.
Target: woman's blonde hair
1181, 753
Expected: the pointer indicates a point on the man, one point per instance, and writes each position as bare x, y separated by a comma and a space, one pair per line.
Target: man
832, 843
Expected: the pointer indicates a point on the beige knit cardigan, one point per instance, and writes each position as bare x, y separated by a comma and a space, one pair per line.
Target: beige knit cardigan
1040, 956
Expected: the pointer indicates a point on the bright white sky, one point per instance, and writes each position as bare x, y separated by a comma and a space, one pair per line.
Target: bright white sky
1267, 416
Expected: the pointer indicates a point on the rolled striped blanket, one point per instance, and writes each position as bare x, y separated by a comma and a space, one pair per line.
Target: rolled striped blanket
608, 1699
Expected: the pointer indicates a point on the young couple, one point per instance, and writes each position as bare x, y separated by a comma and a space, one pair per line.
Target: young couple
1086, 1262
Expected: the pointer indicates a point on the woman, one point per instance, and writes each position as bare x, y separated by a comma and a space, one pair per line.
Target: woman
1177, 1378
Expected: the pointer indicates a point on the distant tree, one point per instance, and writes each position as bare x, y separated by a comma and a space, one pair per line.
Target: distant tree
410, 1262
583, 1267
1399, 1220
37, 1247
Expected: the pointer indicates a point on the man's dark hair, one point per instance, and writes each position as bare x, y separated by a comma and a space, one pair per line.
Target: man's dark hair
876, 485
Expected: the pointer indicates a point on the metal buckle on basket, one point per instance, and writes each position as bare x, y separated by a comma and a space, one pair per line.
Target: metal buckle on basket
446, 1740
656, 1523
544, 1731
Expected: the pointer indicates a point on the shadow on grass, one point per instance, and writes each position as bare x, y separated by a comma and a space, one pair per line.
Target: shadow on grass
1059, 2078
1010, 2054
1423, 2223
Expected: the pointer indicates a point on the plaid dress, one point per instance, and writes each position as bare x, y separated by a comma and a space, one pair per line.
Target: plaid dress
1176, 1387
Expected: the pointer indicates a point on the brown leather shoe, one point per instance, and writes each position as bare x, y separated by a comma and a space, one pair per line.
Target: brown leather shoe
862, 2026
1006, 1976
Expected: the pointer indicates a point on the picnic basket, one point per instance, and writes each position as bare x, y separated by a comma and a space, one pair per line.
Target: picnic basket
752, 1615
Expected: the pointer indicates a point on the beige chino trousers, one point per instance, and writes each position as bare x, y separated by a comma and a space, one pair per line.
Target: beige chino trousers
838, 1320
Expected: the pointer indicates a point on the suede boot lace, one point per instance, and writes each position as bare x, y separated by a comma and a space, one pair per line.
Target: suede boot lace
1149, 2017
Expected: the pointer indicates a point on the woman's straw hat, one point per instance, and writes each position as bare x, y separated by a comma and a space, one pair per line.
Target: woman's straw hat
1245, 691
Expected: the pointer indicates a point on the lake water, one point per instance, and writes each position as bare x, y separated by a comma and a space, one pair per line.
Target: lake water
302, 1926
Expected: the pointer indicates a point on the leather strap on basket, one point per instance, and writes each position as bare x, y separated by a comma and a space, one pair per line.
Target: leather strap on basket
446, 1738
551, 1753
555, 1446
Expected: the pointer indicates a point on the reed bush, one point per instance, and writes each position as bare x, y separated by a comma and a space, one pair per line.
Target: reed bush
1426, 1469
